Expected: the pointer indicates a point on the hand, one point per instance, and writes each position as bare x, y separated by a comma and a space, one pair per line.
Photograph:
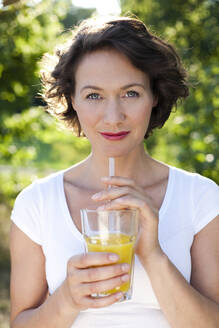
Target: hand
124, 194
93, 273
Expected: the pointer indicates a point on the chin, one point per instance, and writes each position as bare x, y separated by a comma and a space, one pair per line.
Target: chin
116, 152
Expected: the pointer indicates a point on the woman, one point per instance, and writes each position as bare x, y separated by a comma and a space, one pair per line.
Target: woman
115, 77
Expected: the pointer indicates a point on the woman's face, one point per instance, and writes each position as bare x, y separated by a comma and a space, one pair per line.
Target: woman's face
111, 95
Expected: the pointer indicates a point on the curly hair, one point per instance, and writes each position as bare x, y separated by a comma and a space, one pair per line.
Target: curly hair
129, 36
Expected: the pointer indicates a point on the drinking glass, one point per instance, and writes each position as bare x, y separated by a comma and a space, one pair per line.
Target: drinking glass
113, 231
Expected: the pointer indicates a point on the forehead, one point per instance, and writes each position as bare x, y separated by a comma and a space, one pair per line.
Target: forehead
107, 65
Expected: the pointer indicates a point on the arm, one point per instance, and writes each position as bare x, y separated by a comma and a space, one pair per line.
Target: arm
30, 306
185, 305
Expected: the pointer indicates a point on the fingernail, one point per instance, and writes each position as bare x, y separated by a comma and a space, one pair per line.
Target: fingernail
105, 178
119, 295
125, 267
113, 257
95, 196
125, 277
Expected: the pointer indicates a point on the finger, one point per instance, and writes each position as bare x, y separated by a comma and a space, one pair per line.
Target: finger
118, 181
103, 285
93, 259
126, 201
91, 302
130, 202
102, 273
112, 193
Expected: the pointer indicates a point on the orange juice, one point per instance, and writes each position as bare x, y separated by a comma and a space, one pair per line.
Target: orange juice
118, 243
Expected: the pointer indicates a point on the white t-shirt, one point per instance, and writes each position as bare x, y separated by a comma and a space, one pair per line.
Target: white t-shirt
190, 203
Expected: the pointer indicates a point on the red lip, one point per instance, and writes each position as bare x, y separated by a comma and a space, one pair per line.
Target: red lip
115, 136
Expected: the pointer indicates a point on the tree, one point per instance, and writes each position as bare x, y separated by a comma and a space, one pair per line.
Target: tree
28, 31
27, 134
191, 136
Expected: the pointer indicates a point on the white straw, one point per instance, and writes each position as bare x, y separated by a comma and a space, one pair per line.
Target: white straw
106, 223
111, 174
111, 166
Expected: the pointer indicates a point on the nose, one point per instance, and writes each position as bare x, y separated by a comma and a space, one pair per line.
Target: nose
113, 112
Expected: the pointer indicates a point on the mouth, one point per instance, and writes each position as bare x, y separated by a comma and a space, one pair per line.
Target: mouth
115, 136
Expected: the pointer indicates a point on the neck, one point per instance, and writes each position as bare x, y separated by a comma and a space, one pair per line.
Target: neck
133, 165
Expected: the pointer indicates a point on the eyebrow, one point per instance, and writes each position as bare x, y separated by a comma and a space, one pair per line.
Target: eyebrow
123, 88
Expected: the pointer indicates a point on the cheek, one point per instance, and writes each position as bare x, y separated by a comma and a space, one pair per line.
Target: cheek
142, 114
87, 119
141, 120
85, 113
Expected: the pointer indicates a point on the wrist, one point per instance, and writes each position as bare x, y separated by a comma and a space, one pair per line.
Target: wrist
66, 305
155, 259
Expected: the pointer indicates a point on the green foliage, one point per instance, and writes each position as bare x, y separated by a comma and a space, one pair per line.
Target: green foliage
26, 33
45, 145
13, 182
28, 30
190, 138
74, 15
29, 137
34, 138
31, 142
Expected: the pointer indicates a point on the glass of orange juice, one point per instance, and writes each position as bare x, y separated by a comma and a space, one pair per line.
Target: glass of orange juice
115, 232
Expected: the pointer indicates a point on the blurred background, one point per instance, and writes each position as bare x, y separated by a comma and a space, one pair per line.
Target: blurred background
32, 144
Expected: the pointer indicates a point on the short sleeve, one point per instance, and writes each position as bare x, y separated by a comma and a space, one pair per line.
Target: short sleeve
26, 213
206, 204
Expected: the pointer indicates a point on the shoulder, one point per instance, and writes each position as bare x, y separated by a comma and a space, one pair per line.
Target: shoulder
31, 205
196, 182
199, 194
49, 180
197, 191
39, 190
42, 184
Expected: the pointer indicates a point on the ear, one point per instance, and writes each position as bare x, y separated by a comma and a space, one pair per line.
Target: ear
73, 102
155, 101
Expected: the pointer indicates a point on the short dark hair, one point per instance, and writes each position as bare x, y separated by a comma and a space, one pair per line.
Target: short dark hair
129, 36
